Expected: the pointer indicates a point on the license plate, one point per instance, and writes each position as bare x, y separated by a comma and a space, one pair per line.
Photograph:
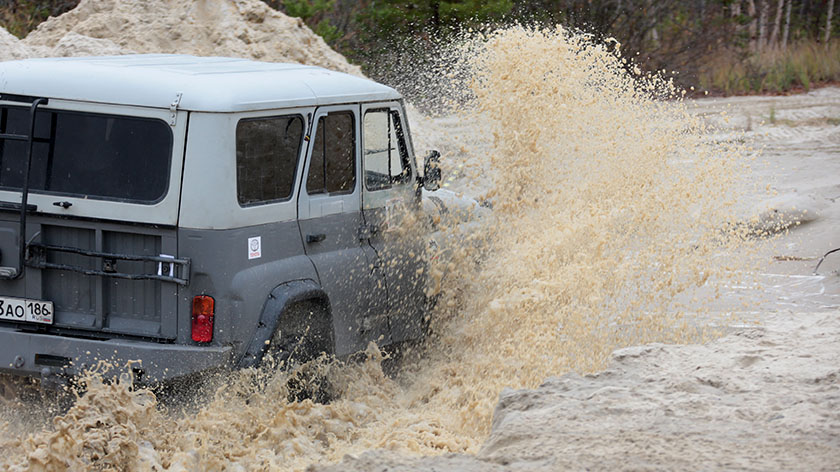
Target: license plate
25, 309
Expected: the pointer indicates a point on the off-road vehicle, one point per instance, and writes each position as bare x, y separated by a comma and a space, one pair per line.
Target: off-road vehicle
193, 213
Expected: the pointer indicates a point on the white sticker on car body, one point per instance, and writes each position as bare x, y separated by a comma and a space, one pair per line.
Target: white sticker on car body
255, 247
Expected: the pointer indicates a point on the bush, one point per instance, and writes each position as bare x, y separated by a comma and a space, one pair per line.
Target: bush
22, 16
773, 71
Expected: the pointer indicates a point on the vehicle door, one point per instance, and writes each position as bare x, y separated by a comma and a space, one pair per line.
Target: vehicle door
329, 212
104, 185
391, 211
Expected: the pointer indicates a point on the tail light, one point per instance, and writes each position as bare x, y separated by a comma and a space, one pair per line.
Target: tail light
203, 309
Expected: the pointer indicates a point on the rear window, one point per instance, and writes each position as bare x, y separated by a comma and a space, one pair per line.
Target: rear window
88, 155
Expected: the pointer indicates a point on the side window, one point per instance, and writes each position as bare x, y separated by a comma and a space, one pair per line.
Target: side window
386, 155
267, 151
333, 165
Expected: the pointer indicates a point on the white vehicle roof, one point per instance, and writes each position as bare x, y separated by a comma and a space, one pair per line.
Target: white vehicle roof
208, 84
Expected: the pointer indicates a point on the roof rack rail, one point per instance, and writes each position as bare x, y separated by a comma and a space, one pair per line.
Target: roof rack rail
10, 97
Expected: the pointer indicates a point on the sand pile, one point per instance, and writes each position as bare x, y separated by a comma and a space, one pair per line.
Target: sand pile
239, 28
11, 47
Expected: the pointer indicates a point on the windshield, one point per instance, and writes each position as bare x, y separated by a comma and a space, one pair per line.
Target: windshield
87, 155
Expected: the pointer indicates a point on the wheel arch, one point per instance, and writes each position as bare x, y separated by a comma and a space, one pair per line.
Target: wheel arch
279, 301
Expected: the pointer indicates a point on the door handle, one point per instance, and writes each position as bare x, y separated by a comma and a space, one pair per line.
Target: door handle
315, 238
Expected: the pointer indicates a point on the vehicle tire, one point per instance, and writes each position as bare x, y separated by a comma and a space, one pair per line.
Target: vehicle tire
302, 346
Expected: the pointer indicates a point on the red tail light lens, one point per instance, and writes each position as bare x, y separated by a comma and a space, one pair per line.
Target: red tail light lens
203, 310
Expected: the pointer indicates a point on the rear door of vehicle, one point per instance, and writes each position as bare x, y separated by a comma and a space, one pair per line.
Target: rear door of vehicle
101, 241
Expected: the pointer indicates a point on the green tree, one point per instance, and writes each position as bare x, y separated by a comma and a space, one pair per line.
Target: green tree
313, 13
20, 17
385, 18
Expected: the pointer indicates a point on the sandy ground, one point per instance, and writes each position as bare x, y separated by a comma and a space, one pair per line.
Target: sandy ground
764, 397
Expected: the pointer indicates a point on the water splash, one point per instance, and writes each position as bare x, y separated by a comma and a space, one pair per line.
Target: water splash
610, 201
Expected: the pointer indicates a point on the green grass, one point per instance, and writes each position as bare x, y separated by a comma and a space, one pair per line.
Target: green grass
775, 71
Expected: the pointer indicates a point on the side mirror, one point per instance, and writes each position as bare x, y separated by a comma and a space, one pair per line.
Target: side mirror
431, 171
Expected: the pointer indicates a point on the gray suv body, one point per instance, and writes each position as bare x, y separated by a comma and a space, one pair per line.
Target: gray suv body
178, 209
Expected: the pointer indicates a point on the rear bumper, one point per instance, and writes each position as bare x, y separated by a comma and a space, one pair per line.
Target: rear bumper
48, 356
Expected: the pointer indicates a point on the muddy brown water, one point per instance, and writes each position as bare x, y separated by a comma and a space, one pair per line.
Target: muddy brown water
616, 222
